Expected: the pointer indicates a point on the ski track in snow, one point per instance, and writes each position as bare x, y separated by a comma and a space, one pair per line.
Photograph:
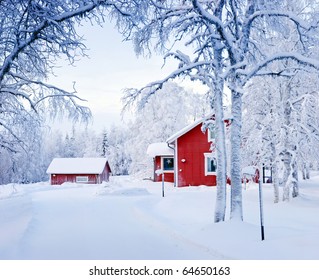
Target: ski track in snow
74, 223
164, 229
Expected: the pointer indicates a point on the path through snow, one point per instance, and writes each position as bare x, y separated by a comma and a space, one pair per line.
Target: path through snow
90, 222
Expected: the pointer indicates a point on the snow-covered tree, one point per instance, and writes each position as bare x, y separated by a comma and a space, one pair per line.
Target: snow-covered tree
25, 163
117, 152
5, 166
105, 144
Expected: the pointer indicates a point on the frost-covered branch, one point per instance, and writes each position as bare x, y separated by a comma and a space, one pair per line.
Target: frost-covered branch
299, 58
225, 36
277, 14
141, 95
12, 134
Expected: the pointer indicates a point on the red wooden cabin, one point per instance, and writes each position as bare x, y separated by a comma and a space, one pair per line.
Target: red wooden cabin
192, 161
79, 170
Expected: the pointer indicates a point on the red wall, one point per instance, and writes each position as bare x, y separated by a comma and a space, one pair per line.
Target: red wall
168, 176
58, 179
191, 147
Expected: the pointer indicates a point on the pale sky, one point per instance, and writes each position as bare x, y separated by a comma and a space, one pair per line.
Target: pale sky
112, 66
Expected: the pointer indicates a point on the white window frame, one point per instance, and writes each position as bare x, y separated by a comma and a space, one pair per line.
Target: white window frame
82, 179
162, 164
209, 136
206, 157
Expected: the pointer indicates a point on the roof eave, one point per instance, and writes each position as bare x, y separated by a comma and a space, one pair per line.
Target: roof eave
184, 130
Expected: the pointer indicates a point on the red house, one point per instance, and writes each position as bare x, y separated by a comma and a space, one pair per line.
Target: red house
190, 161
79, 170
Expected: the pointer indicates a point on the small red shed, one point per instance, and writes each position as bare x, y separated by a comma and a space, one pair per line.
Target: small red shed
79, 170
163, 158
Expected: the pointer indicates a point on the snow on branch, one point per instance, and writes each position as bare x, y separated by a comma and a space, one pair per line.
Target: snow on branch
291, 16
35, 31
299, 58
11, 132
60, 93
131, 96
311, 132
220, 27
15, 92
283, 73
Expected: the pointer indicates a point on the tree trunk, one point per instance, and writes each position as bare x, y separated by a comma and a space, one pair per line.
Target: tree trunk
292, 171
236, 185
273, 149
294, 174
287, 179
290, 152
305, 171
275, 182
221, 153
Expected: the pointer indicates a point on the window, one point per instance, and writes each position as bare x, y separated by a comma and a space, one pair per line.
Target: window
210, 164
168, 163
82, 179
211, 135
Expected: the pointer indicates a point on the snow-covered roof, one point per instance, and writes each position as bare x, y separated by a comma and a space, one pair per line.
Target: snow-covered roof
186, 129
159, 149
77, 166
249, 170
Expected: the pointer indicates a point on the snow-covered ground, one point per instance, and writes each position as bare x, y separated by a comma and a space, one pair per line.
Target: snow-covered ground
127, 218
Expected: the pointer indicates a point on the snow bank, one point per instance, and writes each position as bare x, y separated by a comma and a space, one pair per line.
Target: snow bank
8, 190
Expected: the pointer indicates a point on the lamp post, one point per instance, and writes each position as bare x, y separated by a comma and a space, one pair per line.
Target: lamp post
261, 208
158, 173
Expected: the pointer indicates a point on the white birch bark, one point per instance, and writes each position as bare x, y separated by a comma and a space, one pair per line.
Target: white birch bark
294, 174
220, 207
290, 150
273, 148
236, 185
275, 182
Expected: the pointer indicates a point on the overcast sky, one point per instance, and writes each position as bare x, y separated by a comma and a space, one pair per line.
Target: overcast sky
112, 66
